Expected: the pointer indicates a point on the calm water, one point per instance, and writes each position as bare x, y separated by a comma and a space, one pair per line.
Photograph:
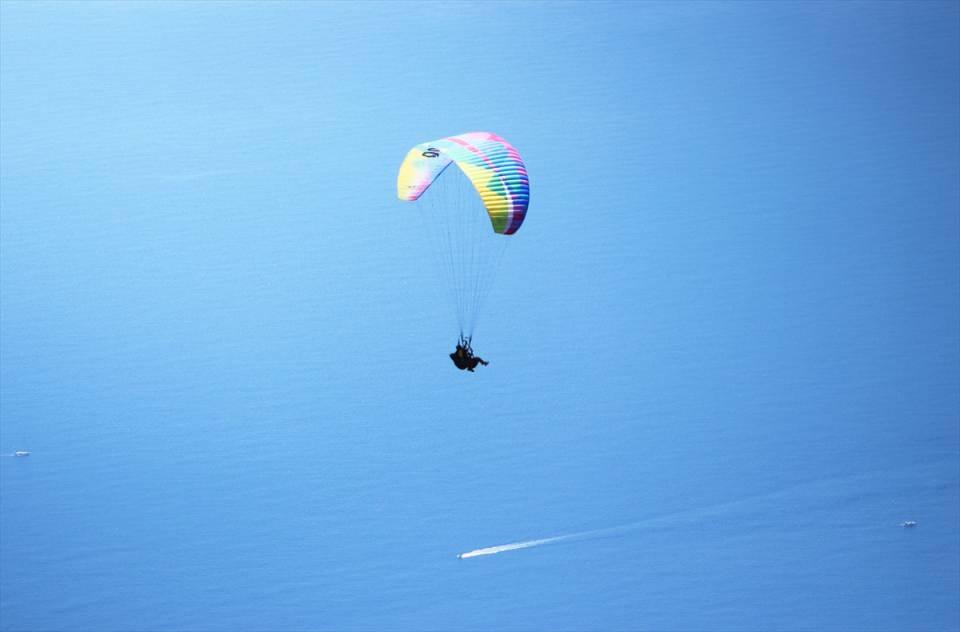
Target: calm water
729, 325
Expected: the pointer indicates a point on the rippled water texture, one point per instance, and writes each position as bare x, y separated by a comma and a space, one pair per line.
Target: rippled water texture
724, 346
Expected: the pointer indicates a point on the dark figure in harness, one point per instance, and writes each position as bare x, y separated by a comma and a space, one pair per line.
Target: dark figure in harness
463, 356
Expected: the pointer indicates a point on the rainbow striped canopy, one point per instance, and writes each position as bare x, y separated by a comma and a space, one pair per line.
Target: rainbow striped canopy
492, 165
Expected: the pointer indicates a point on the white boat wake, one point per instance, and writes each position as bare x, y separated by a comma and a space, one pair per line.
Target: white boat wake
490, 550
789, 504
529, 544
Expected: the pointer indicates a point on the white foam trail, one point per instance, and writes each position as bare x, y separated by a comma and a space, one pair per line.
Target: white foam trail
690, 514
490, 550
807, 493
528, 544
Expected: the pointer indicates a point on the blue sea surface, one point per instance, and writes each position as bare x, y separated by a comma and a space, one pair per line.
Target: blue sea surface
725, 345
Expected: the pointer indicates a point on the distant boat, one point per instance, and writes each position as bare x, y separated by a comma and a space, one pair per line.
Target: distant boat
908, 524
21, 453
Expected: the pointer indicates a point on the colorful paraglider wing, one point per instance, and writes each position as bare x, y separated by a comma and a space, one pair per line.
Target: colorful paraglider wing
492, 165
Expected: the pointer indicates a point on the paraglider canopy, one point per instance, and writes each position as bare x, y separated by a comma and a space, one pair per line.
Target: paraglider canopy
492, 165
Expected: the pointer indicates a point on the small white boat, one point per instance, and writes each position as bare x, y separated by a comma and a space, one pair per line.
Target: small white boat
21, 453
908, 524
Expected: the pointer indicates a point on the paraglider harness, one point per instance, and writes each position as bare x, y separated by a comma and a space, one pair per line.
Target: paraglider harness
463, 357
